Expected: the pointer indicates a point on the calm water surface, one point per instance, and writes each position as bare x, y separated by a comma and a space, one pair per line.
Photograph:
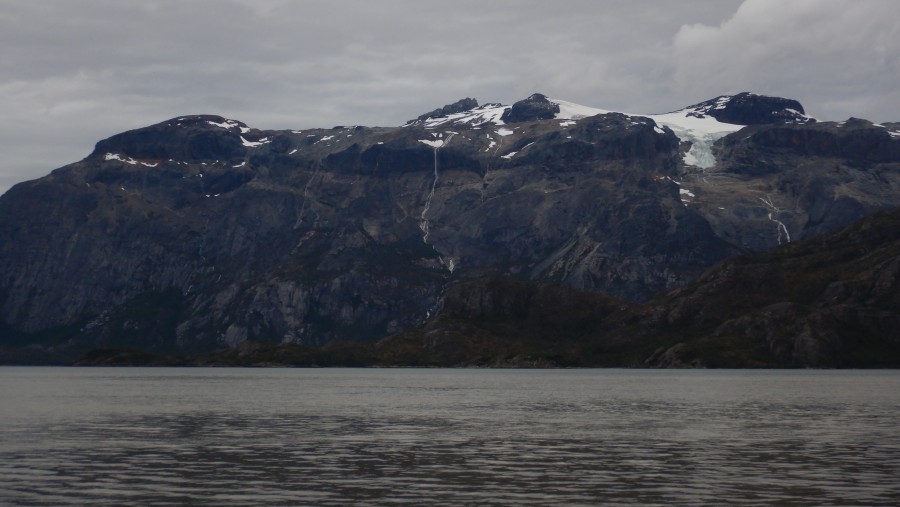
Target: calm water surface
135, 436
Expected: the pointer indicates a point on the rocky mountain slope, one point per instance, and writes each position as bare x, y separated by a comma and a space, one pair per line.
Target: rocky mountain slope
828, 301
201, 232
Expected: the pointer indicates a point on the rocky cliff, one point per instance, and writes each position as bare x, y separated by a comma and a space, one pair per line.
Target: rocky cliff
828, 301
201, 232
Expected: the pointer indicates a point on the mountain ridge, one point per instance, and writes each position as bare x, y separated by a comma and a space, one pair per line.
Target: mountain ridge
201, 232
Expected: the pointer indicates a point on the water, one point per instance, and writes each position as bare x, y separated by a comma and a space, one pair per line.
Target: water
169, 436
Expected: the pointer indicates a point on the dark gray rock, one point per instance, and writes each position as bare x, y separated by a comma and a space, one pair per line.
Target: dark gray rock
750, 109
201, 232
535, 107
456, 107
187, 138
829, 301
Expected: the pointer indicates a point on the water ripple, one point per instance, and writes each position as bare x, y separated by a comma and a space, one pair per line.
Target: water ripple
516, 438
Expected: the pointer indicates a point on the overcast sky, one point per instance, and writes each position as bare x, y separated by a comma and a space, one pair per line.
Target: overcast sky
73, 72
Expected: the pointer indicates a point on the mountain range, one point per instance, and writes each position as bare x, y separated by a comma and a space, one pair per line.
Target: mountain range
677, 239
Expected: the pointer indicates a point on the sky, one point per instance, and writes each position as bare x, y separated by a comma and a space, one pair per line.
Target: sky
73, 72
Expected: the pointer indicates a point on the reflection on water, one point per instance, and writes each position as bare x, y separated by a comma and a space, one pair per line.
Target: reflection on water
448, 437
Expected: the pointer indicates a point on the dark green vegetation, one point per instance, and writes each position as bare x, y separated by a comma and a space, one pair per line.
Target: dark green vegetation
540, 242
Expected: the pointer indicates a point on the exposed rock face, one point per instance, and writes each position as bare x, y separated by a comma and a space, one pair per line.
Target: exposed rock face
184, 139
535, 107
751, 109
829, 301
791, 181
456, 107
201, 232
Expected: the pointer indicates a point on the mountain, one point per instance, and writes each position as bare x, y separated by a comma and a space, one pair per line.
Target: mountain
827, 301
201, 232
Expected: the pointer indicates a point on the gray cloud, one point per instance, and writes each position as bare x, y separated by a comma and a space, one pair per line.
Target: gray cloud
840, 58
72, 73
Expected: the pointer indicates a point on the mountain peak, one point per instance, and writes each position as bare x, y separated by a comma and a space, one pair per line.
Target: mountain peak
535, 107
747, 108
442, 112
719, 114
183, 138
192, 234
462, 112
467, 111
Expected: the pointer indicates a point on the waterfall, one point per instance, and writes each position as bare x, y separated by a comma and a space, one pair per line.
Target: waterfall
779, 225
423, 219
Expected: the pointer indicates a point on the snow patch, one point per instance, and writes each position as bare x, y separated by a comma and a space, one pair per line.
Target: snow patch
687, 124
572, 111
242, 164
227, 125
114, 156
509, 155
702, 133
683, 120
692, 125
434, 144
686, 195
487, 113
255, 144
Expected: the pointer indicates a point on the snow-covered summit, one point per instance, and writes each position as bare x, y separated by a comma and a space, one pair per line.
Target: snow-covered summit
208, 121
230, 125
750, 109
700, 130
474, 117
701, 124
704, 123
572, 111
